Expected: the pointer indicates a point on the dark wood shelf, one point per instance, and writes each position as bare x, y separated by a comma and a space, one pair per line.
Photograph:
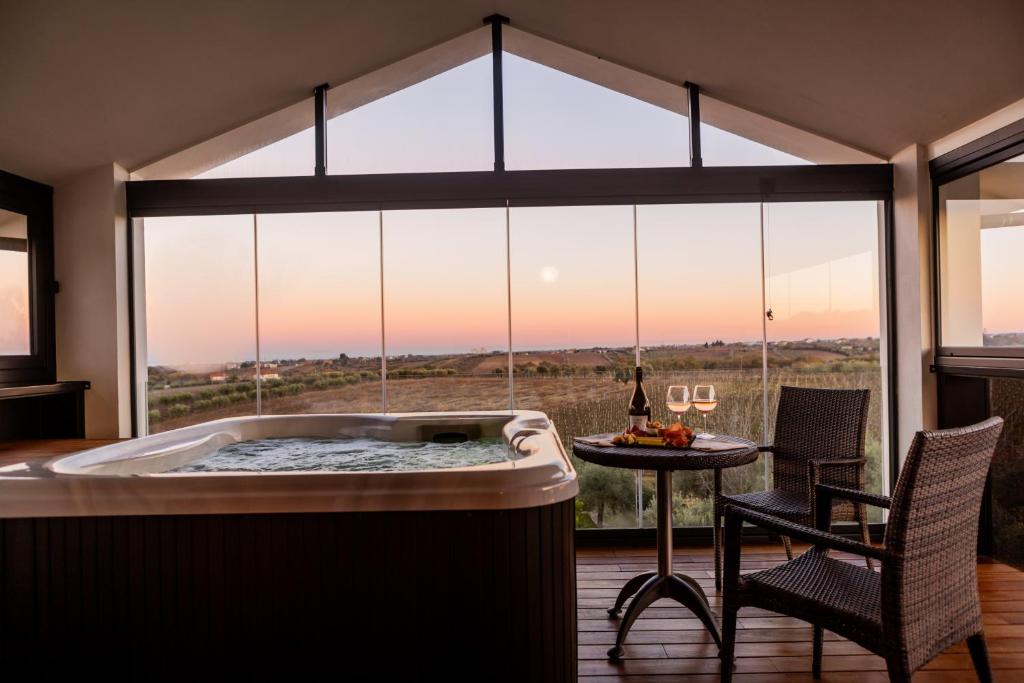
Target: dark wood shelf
43, 411
42, 389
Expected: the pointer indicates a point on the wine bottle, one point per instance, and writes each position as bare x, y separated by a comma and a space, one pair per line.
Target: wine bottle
639, 405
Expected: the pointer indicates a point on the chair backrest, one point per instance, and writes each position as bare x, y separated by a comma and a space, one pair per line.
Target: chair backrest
930, 588
816, 424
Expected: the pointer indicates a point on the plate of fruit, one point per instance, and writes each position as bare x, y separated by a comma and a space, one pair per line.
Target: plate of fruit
656, 435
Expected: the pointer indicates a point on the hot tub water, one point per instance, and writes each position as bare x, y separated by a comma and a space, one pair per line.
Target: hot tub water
353, 454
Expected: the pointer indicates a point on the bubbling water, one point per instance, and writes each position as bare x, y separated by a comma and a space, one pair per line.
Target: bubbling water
358, 454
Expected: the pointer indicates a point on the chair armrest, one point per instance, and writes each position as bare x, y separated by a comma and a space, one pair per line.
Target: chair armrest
823, 491
838, 463
816, 466
841, 473
823, 495
765, 449
822, 539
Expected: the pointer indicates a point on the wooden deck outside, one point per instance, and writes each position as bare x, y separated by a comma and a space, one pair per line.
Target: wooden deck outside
668, 644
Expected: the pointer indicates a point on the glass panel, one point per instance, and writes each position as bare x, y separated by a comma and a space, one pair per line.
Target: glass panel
722, 148
320, 312
444, 123
1007, 397
700, 323
981, 245
445, 310
15, 317
822, 288
554, 120
290, 156
200, 319
573, 332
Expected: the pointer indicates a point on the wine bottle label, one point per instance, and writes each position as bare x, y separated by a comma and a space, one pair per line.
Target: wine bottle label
638, 421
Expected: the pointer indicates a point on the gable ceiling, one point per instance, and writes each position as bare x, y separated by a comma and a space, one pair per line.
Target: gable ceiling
86, 83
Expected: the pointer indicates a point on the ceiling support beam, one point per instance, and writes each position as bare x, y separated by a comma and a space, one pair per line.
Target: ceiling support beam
320, 125
515, 188
693, 97
496, 20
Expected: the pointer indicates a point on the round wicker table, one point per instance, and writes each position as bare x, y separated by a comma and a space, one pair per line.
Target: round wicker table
664, 583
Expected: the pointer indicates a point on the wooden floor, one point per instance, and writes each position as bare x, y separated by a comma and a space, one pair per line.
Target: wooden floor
668, 643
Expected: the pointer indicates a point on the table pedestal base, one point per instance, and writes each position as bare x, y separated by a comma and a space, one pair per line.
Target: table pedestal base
682, 589
651, 586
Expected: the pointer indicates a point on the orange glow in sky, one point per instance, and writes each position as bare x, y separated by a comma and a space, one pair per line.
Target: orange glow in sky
446, 284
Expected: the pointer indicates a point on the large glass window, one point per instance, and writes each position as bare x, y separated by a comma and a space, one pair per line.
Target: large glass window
566, 298
445, 310
200, 319
15, 318
441, 124
574, 335
981, 243
700, 323
722, 148
554, 120
289, 156
822, 291
319, 287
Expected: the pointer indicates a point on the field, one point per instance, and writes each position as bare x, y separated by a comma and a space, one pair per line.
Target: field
583, 392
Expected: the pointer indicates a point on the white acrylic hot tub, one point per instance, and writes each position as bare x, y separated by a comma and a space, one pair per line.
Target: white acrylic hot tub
312, 562
134, 477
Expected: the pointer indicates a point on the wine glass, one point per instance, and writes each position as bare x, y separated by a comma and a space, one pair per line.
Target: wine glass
704, 400
678, 401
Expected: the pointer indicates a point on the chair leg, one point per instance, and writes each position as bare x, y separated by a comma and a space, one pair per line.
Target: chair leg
860, 510
819, 636
979, 656
897, 671
728, 647
717, 533
789, 547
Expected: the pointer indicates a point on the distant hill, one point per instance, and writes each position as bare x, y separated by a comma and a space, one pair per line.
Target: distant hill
1004, 339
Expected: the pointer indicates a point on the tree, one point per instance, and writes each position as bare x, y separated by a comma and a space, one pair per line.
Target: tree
606, 490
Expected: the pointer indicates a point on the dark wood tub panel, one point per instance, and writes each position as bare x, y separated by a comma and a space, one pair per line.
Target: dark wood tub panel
478, 595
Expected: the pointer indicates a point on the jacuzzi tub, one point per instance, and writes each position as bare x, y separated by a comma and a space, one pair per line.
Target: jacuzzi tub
538, 472
465, 573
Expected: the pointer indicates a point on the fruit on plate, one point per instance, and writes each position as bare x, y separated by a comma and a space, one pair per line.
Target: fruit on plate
653, 429
675, 435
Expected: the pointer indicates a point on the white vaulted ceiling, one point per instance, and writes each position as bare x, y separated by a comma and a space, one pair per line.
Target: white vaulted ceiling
85, 83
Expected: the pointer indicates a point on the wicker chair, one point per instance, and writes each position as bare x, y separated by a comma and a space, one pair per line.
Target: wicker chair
819, 439
926, 596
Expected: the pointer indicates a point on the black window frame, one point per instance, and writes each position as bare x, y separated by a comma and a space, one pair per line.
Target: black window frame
35, 201
977, 155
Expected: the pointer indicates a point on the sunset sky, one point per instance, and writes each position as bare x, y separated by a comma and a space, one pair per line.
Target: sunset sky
445, 281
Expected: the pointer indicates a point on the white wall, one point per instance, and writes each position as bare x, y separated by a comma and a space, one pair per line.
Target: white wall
916, 387
92, 305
